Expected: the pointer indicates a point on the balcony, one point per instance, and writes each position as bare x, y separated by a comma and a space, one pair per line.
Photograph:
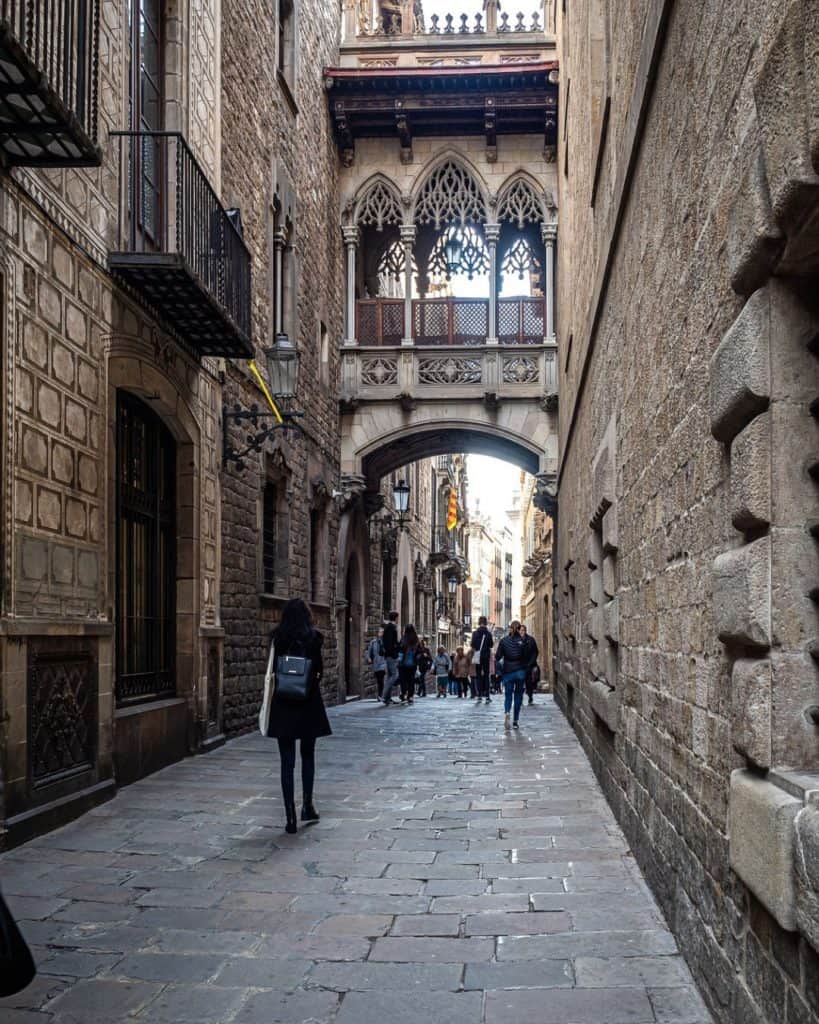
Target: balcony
444, 546
178, 248
451, 321
49, 68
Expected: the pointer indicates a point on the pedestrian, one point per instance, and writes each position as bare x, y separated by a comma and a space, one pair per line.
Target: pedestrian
389, 641
453, 682
493, 673
481, 648
303, 720
462, 666
513, 651
375, 657
531, 657
408, 663
443, 667
424, 665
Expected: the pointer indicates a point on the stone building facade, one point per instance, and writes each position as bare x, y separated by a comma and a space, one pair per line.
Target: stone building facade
280, 516
686, 562
96, 387
536, 603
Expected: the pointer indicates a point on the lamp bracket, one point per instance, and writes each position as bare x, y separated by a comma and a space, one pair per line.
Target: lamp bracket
254, 442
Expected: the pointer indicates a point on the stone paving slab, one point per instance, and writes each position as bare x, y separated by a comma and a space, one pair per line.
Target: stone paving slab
459, 873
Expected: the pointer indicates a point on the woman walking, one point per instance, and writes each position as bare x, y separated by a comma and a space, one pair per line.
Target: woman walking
409, 650
513, 653
443, 666
303, 720
376, 658
461, 670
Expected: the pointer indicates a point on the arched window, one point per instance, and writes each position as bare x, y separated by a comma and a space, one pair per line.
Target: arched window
519, 204
146, 554
450, 195
378, 207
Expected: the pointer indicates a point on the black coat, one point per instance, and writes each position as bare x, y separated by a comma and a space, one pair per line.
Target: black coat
482, 641
302, 720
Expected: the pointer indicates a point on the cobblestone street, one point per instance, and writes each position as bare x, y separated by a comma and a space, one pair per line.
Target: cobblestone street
458, 874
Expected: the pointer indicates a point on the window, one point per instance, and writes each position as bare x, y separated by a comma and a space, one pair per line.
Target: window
146, 102
599, 87
146, 554
270, 539
286, 40
324, 354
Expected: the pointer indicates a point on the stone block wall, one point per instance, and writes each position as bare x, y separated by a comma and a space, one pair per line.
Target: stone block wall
687, 282
288, 155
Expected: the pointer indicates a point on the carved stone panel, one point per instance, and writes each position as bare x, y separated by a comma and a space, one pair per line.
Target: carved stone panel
62, 709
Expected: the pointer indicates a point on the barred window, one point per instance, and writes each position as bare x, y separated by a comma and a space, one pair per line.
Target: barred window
270, 501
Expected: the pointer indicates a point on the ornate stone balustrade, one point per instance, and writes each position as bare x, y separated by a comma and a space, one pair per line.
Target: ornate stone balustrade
496, 373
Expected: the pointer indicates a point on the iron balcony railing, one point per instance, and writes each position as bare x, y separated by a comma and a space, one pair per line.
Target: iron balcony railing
49, 79
451, 321
445, 542
179, 247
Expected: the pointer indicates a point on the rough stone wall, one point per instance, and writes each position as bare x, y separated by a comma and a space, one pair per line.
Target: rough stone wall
269, 138
644, 487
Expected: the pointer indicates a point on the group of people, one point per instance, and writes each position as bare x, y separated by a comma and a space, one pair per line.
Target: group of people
475, 672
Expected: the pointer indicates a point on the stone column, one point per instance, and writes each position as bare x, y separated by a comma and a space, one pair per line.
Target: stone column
408, 240
279, 245
549, 235
351, 236
492, 234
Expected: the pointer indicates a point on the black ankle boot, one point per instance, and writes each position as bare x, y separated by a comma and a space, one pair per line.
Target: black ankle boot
308, 812
290, 811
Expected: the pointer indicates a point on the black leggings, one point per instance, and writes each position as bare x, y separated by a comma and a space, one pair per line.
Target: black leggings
287, 749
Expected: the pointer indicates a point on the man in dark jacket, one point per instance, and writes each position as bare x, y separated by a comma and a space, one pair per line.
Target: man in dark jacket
514, 653
481, 645
390, 643
532, 659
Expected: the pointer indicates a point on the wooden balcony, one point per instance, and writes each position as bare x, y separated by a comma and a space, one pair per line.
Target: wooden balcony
178, 248
451, 321
49, 70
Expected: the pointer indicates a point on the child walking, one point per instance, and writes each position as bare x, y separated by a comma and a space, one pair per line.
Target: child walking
442, 665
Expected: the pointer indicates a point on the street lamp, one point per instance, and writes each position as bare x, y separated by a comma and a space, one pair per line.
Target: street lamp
282, 367
282, 382
400, 498
452, 252
452, 585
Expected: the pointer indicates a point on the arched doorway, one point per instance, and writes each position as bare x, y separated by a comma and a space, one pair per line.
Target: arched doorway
352, 629
146, 555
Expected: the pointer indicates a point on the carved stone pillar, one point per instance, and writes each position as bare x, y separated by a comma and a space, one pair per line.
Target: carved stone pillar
279, 245
549, 235
408, 240
351, 236
492, 234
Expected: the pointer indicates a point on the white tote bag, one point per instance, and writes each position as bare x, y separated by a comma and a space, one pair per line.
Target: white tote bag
476, 657
269, 689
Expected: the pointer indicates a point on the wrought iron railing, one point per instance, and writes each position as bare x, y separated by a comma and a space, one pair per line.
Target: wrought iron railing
451, 321
445, 541
49, 73
170, 209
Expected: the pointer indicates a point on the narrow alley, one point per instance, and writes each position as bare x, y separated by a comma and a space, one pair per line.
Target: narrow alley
458, 874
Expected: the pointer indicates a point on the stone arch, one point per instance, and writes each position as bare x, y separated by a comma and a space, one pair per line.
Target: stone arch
388, 438
475, 200
377, 203
404, 611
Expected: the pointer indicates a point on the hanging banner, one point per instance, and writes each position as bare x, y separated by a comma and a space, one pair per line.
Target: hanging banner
452, 510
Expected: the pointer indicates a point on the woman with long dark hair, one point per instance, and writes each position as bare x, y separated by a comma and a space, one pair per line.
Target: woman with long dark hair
409, 650
303, 720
